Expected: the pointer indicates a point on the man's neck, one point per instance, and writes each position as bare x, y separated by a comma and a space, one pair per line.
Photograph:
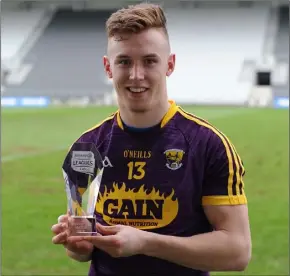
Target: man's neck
146, 119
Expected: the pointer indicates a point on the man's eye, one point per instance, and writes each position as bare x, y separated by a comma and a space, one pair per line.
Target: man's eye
150, 61
124, 62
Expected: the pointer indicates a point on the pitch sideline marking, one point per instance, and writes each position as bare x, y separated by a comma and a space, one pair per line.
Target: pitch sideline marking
14, 157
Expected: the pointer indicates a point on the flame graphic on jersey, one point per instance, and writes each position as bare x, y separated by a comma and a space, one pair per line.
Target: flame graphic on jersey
137, 207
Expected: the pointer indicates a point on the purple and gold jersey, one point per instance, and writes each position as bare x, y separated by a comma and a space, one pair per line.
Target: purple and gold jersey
158, 180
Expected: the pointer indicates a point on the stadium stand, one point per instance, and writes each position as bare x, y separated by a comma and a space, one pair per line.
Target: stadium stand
281, 52
214, 45
282, 39
211, 52
17, 28
67, 58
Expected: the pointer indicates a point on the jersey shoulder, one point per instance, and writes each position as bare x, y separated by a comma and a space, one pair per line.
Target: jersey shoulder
191, 124
220, 155
99, 131
201, 133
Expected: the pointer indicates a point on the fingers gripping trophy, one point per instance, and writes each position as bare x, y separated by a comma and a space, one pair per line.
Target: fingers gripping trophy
82, 171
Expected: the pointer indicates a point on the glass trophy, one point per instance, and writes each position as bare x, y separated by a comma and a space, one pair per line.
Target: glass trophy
82, 171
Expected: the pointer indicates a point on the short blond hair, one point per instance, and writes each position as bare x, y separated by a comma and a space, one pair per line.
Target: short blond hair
135, 19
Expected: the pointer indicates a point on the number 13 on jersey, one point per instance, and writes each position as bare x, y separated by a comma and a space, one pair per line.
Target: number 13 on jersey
136, 170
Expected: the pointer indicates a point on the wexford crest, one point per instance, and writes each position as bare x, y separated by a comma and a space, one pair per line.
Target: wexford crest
174, 158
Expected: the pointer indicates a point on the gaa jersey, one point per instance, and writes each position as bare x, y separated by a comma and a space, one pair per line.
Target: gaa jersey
158, 180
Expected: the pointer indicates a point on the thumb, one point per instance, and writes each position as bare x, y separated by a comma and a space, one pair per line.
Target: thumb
107, 230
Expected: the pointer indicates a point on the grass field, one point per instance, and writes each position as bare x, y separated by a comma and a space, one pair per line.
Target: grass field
34, 143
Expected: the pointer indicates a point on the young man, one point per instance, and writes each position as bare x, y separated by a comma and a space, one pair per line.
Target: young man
172, 201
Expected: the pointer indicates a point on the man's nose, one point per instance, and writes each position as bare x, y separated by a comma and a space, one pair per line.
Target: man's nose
137, 72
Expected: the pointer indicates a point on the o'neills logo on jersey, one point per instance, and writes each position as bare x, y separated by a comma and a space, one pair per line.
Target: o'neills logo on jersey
137, 207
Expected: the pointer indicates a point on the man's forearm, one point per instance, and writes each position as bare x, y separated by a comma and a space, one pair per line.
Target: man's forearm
79, 257
215, 251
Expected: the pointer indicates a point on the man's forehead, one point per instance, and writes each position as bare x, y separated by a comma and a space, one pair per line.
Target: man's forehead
151, 42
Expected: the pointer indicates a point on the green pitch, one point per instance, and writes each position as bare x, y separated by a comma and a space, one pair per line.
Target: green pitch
34, 143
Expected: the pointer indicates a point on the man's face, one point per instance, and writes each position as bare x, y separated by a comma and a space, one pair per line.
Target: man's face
138, 66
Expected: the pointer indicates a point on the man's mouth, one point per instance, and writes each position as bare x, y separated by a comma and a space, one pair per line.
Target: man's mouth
137, 89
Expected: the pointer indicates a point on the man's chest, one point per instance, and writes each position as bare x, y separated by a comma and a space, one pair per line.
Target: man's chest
147, 185
161, 162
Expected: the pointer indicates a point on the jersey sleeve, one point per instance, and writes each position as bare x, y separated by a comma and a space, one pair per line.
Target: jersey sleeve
223, 182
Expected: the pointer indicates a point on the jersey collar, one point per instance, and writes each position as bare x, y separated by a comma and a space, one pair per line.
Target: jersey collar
168, 116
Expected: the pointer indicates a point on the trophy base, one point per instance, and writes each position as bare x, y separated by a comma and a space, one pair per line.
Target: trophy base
82, 226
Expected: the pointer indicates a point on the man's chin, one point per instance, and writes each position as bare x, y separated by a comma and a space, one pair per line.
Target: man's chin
139, 106
139, 109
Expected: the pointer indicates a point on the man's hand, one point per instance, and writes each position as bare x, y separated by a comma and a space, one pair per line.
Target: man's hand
74, 248
117, 241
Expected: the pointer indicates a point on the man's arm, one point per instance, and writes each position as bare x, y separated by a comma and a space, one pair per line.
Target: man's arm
228, 248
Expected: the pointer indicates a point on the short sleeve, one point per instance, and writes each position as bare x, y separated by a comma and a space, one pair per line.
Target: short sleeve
223, 182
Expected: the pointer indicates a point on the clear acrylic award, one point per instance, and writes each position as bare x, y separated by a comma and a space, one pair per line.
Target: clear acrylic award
82, 171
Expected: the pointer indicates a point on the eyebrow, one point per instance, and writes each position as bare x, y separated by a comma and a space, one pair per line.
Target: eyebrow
146, 56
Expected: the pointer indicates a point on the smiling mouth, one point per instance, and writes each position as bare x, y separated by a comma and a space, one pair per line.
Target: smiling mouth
137, 89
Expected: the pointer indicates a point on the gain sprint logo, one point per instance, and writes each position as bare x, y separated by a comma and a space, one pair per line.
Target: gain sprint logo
139, 208
83, 161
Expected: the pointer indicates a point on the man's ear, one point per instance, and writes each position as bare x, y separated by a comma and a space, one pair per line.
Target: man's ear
107, 67
171, 65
